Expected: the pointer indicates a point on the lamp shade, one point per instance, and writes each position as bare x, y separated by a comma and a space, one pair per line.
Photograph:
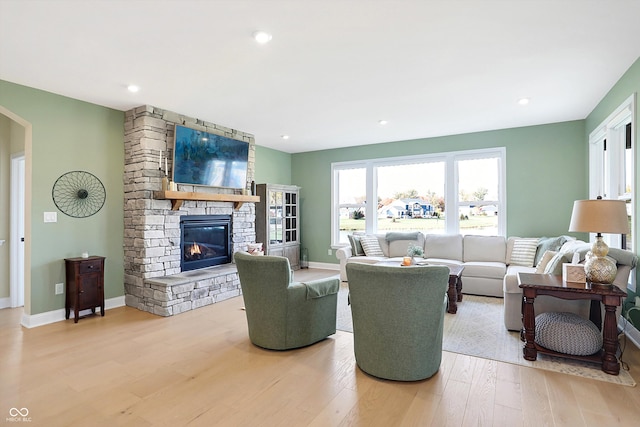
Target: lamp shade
599, 216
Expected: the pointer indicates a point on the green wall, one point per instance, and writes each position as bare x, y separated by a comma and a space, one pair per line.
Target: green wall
628, 84
545, 174
70, 135
272, 166
546, 171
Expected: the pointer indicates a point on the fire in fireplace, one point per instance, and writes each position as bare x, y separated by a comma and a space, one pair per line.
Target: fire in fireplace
205, 241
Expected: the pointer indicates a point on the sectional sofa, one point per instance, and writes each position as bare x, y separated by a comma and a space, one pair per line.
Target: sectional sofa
486, 259
491, 263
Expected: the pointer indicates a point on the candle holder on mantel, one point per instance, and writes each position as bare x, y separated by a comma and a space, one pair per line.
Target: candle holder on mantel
165, 181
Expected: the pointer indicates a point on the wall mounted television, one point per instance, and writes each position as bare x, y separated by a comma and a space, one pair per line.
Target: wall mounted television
202, 158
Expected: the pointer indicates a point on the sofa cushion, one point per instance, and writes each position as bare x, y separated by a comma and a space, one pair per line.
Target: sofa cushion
400, 242
491, 270
371, 245
403, 235
523, 252
443, 246
510, 283
484, 248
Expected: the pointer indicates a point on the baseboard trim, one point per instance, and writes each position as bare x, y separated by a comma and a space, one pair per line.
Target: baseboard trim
41, 319
5, 302
324, 266
630, 331
634, 336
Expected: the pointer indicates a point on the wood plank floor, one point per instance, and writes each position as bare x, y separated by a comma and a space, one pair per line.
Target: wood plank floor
199, 369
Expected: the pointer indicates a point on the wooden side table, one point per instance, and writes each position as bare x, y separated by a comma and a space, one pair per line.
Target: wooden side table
85, 285
545, 284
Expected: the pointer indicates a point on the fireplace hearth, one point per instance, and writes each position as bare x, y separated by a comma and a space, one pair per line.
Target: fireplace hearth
205, 241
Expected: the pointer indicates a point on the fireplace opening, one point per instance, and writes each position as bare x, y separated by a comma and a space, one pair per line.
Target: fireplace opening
205, 241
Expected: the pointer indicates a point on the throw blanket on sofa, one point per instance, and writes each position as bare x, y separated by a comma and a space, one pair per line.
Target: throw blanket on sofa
396, 235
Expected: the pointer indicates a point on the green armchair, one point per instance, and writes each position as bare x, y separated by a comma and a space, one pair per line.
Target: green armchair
398, 319
282, 314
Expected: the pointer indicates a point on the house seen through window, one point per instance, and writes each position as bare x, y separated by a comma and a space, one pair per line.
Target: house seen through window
460, 192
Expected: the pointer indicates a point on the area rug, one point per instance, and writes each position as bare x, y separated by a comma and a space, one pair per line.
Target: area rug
477, 329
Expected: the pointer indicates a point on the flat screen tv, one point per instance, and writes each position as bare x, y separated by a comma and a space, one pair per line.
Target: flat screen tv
202, 158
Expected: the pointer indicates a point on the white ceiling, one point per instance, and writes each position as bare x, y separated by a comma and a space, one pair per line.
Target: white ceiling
334, 68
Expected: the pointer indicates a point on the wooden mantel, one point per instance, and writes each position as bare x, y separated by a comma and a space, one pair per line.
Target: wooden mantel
177, 197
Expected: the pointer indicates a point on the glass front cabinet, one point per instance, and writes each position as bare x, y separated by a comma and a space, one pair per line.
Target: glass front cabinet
277, 221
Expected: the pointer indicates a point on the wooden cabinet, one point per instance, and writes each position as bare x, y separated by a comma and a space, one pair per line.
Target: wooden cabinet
278, 221
85, 285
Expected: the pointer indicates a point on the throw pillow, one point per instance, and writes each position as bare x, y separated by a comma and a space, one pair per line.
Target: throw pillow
356, 246
371, 246
548, 244
524, 252
542, 264
555, 263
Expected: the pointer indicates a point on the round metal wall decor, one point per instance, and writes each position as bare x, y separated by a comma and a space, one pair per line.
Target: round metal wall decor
78, 194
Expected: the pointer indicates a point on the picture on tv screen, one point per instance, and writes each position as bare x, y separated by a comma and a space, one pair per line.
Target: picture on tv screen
201, 158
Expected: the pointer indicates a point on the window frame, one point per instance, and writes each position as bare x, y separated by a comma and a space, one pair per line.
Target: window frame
612, 129
452, 222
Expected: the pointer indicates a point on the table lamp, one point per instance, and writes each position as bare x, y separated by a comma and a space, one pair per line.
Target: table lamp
599, 216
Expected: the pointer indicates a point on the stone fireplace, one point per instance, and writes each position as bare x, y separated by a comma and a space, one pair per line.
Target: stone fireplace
155, 278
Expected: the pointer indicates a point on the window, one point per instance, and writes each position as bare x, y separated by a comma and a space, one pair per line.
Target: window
411, 196
419, 193
611, 166
478, 195
352, 198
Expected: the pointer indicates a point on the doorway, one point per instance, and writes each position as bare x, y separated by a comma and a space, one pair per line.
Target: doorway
16, 257
20, 136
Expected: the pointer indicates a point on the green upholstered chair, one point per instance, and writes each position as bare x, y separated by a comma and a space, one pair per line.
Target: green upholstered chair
398, 319
282, 314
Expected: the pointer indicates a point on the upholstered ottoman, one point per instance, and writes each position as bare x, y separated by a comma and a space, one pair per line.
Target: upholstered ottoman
568, 333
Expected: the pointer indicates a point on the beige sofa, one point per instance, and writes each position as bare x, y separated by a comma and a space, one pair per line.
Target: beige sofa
484, 257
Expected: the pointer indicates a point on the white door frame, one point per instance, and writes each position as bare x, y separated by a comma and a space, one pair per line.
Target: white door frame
16, 250
28, 149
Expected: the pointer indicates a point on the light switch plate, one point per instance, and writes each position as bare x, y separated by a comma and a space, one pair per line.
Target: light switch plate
51, 217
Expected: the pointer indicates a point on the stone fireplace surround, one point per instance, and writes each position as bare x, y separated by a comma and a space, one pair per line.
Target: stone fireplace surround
153, 281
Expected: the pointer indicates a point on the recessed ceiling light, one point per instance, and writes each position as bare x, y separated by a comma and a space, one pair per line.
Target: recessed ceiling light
382, 122
523, 101
133, 88
284, 136
262, 37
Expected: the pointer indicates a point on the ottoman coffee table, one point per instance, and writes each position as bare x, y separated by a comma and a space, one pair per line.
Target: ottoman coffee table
454, 292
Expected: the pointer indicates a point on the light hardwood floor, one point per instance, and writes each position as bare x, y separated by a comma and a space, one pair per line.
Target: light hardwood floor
199, 369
